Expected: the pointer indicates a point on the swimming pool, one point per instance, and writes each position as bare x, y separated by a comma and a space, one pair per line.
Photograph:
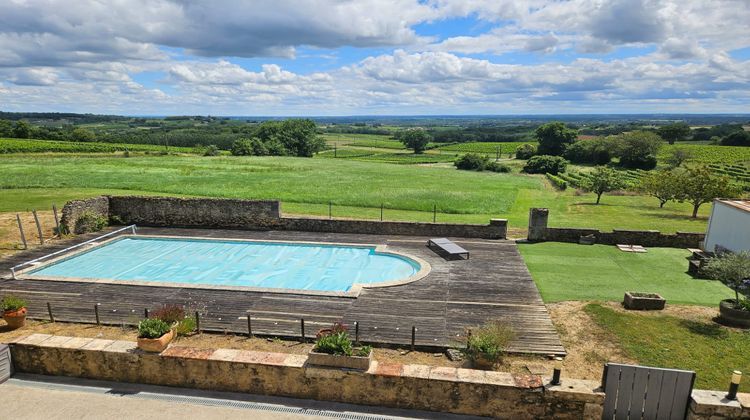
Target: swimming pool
198, 262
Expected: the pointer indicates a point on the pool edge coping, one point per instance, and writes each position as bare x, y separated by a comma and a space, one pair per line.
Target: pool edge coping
353, 292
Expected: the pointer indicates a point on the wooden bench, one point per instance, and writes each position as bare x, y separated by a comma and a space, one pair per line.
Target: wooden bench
448, 247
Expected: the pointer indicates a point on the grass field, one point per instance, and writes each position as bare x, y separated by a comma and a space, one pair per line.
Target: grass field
355, 188
564, 271
710, 350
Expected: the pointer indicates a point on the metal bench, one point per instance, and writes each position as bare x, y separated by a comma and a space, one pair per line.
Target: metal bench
448, 247
642, 392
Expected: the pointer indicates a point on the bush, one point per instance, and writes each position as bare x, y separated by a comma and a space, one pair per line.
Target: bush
152, 328
543, 164
13, 303
169, 313
90, 222
558, 182
211, 150
497, 167
647, 162
638, 149
738, 138
525, 151
488, 342
554, 137
186, 326
596, 151
471, 162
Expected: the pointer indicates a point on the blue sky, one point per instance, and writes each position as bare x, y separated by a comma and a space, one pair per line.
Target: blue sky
388, 57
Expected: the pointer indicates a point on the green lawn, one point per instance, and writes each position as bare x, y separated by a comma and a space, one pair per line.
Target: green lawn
710, 350
356, 189
565, 271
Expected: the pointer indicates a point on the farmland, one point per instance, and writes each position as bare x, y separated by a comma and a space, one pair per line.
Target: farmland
47, 146
355, 189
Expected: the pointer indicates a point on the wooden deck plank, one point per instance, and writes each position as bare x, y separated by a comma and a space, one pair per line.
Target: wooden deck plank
455, 295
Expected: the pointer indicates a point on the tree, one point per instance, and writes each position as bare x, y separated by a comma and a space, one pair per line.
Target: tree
6, 128
544, 164
415, 139
471, 162
673, 132
300, 137
553, 138
732, 269
602, 180
638, 149
699, 185
662, 185
737, 138
678, 156
82, 134
22, 130
525, 151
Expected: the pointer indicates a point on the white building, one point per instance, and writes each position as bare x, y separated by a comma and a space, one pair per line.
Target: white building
729, 226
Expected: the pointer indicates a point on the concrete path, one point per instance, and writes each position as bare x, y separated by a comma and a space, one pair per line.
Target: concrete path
51, 398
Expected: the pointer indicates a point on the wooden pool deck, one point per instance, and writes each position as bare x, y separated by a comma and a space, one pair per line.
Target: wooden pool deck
454, 296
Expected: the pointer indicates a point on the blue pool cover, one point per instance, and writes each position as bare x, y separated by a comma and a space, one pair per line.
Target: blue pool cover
331, 268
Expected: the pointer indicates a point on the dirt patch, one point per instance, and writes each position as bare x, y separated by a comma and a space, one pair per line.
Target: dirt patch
10, 236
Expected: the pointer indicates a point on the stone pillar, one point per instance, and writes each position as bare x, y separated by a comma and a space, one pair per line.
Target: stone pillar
537, 224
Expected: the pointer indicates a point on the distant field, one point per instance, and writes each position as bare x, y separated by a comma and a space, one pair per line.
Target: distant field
47, 146
704, 153
356, 189
483, 148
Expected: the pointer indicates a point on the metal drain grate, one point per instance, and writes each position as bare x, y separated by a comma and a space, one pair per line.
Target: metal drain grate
215, 402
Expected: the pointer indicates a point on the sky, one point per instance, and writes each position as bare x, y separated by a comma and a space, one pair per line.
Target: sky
375, 57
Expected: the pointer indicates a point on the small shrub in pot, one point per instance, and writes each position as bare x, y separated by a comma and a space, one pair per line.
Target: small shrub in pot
154, 335
14, 311
733, 269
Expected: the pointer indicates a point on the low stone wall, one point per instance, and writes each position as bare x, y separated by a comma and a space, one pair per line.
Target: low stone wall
194, 212
540, 232
75, 208
497, 229
444, 389
263, 215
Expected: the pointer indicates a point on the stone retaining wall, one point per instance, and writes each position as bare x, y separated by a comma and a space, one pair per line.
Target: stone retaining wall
194, 212
75, 208
264, 215
443, 389
540, 232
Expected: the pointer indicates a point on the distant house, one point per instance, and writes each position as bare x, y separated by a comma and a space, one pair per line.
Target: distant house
728, 226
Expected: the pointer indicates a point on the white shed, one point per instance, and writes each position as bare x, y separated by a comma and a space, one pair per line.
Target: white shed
729, 226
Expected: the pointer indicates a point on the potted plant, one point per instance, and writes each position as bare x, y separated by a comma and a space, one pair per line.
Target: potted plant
733, 269
486, 345
14, 311
154, 335
334, 348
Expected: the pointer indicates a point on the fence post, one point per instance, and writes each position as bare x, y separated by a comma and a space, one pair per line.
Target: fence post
330, 210
249, 326
434, 213
57, 221
356, 332
197, 322
145, 313
96, 312
38, 227
20, 229
413, 336
468, 338
49, 311
302, 328
381, 212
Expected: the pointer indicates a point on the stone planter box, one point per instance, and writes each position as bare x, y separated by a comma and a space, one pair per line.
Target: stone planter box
346, 362
643, 301
156, 345
731, 316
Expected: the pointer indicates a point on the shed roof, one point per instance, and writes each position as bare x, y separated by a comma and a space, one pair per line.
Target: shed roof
740, 204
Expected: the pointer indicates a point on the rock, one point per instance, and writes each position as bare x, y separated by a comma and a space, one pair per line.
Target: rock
454, 355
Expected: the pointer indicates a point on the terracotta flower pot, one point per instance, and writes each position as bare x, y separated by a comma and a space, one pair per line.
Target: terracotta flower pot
156, 345
15, 319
